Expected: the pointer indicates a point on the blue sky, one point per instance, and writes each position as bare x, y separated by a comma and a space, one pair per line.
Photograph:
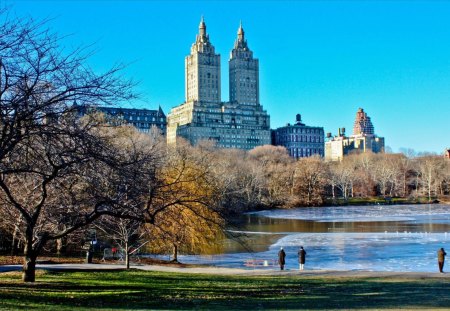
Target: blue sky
322, 59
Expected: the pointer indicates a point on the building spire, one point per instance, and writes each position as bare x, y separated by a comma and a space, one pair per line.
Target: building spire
240, 42
202, 43
202, 27
240, 32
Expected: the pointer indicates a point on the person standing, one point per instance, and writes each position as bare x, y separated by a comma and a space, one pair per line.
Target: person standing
301, 257
441, 258
281, 258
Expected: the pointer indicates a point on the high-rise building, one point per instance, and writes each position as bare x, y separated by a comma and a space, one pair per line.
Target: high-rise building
299, 139
362, 140
240, 123
362, 124
244, 73
202, 70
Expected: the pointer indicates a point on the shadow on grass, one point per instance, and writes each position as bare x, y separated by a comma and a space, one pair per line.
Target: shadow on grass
157, 290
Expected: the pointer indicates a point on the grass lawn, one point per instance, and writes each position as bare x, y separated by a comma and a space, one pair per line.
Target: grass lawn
135, 289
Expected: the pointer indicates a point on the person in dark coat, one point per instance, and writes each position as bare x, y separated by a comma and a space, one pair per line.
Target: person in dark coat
441, 258
281, 258
301, 257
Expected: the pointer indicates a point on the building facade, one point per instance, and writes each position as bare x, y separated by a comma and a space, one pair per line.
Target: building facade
362, 125
244, 73
299, 139
362, 140
240, 123
202, 70
142, 119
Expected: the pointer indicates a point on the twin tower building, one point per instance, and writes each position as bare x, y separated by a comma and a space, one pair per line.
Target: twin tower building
240, 123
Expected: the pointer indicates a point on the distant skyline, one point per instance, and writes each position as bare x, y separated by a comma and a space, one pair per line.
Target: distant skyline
322, 59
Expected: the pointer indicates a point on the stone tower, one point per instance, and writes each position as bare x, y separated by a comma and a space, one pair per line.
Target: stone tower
244, 73
362, 125
202, 70
240, 123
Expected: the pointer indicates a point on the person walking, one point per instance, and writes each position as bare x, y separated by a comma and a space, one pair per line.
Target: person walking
281, 258
441, 258
301, 257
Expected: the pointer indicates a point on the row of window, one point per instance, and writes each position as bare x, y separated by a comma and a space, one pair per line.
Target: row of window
208, 85
248, 80
244, 146
304, 152
147, 130
127, 112
244, 139
146, 125
300, 130
250, 85
210, 119
130, 118
208, 75
247, 57
226, 135
244, 96
300, 138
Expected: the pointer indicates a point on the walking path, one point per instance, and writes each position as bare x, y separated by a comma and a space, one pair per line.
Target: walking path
232, 271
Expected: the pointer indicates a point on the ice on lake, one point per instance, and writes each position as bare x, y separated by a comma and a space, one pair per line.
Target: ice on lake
425, 213
389, 250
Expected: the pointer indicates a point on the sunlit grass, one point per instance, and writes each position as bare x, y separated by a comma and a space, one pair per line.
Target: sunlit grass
113, 290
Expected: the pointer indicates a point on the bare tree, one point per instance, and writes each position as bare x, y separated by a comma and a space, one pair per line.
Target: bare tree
45, 151
127, 187
363, 183
233, 177
385, 173
129, 234
341, 177
275, 168
309, 180
431, 170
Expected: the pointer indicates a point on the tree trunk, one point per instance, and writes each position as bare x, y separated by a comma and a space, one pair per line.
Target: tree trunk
127, 256
60, 246
31, 254
429, 191
404, 185
417, 185
175, 253
29, 269
14, 244
29, 263
15, 241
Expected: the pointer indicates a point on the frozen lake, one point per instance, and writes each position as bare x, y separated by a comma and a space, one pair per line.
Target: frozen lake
375, 238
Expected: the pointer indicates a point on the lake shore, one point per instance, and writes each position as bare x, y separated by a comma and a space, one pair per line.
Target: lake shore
385, 201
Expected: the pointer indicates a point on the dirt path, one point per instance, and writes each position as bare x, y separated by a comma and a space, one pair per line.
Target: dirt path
234, 271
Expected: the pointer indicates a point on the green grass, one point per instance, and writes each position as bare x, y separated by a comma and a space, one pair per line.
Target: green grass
124, 290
